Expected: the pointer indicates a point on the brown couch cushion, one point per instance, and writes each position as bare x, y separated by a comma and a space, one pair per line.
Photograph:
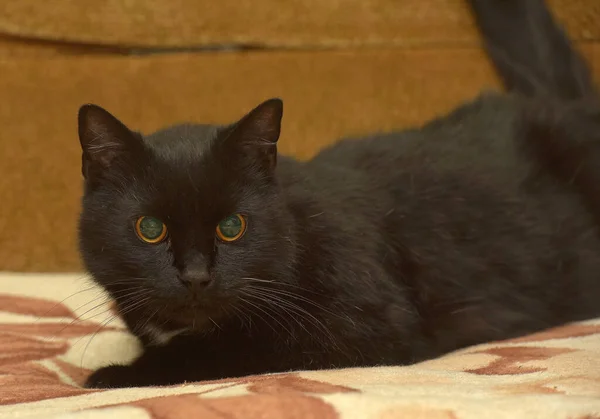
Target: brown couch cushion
289, 23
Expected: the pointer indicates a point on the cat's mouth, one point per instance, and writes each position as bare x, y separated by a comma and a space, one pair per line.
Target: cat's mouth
190, 314
195, 315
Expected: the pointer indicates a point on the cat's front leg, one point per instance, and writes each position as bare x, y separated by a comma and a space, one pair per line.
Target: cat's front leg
119, 376
157, 366
186, 359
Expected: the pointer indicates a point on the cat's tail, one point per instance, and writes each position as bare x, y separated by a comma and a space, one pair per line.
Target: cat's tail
530, 50
534, 58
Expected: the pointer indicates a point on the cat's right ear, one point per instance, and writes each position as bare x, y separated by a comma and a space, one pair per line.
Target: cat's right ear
105, 141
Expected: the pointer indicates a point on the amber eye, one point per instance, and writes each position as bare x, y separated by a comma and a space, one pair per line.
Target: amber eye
150, 229
231, 228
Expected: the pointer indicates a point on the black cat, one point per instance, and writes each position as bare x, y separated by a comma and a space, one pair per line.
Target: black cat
227, 259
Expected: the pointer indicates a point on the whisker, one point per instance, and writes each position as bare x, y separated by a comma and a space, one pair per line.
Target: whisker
258, 315
63, 300
278, 299
102, 326
288, 305
79, 318
284, 284
300, 298
263, 309
139, 327
134, 306
215, 323
243, 317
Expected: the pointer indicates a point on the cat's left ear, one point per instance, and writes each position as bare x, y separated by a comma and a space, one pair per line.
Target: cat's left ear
105, 141
256, 134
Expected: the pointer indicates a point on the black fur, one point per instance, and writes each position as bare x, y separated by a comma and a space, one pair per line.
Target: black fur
391, 249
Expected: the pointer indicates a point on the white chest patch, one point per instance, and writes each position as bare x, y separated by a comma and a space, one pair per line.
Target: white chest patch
161, 337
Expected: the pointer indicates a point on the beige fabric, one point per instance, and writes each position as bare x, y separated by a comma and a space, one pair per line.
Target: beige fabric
50, 338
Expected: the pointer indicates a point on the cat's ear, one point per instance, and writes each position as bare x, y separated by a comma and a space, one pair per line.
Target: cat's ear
104, 140
256, 134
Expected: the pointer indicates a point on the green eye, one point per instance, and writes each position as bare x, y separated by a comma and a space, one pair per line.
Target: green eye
150, 229
231, 228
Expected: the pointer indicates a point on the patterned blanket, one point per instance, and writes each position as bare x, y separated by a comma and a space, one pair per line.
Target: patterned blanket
55, 329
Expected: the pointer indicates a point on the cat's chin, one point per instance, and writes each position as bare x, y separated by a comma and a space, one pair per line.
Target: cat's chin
161, 327
162, 331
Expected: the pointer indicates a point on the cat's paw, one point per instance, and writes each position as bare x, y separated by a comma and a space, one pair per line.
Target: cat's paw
114, 376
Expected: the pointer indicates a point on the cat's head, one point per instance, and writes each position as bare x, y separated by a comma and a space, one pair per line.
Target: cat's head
178, 224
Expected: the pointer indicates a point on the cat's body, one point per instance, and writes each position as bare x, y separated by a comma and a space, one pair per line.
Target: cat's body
391, 249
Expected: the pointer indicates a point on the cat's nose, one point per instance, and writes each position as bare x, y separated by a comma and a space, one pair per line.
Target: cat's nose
195, 278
